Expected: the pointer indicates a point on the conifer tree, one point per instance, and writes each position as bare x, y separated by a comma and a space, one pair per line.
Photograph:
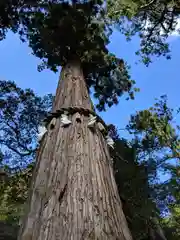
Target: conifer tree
73, 193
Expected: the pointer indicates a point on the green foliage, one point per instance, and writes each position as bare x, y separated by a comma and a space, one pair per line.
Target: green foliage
8, 17
13, 194
153, 21
122, 8
171, 224
156, 140
154, 130
21, 112
155, 133
171, 191
13, 13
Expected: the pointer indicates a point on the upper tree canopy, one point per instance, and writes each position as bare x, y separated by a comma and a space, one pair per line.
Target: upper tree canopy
59, 30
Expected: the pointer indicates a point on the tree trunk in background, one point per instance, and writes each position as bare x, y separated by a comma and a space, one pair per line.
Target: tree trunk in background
73, 193
156, 233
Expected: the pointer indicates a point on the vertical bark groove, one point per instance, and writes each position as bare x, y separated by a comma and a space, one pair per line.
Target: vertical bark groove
62, 194
74, 194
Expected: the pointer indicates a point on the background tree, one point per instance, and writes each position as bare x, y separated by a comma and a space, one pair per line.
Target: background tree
21, 112
156, 139
153, 21
13, 13
133, 185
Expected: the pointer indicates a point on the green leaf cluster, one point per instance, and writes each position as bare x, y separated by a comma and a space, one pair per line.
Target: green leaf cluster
153, 21
21, 112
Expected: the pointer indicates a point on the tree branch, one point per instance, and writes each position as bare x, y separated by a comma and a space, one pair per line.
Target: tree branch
18, 138
15, 149
148, 4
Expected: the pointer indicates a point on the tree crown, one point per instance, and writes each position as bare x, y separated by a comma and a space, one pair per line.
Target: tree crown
59, 30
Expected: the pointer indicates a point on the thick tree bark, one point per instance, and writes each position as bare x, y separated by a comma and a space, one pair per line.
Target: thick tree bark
73, 194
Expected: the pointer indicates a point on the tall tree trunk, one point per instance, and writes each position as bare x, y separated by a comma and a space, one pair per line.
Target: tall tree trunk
73, 194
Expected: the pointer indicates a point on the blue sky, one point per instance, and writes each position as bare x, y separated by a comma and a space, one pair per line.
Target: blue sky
161, 77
